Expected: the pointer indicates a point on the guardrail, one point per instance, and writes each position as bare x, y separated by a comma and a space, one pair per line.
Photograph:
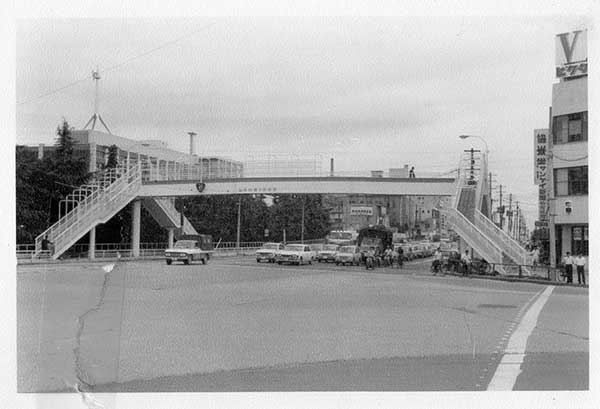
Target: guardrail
26, 252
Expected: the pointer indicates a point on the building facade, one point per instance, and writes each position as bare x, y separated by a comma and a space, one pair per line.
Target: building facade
93, 146
567, 150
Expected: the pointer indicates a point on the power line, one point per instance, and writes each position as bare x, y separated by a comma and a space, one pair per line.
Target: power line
118, 65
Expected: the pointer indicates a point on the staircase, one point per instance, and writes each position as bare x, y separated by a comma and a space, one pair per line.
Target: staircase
476, 229
94, 203
164, 212
466, 203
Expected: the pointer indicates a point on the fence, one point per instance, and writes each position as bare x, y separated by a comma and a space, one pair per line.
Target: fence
26, 252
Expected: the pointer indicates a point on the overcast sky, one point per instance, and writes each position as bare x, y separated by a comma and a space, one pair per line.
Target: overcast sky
373, 93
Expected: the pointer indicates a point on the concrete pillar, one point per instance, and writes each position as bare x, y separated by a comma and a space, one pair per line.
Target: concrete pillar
92, 245
92, 164
136, 217
171, 235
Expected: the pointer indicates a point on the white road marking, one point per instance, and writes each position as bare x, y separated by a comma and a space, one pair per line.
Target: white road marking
509, 367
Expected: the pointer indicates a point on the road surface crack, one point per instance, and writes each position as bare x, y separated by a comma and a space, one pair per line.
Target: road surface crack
84, 379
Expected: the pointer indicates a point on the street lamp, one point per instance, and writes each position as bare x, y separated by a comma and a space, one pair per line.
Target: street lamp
476, 136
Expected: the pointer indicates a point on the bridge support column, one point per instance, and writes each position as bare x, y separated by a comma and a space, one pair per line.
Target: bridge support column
171, 235
136, 216
92, 244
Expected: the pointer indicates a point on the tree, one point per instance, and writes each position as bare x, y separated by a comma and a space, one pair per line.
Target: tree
41, 184
64, 142
113, 158
286, 213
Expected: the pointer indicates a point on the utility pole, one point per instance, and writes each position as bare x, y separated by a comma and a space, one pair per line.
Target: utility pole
518, 220
510, 218
491, 215
302, 231
239, 220
500, 209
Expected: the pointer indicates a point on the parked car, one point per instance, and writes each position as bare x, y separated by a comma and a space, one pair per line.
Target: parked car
316, 247
268, 252
417, 251
348, 255
190, 248
296, 254
327, 253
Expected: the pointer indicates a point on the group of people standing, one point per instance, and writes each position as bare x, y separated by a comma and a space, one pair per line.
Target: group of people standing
578, 263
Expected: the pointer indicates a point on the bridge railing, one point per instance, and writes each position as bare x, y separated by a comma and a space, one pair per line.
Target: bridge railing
197, 173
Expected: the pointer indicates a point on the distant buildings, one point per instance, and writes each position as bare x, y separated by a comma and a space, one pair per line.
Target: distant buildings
411, 214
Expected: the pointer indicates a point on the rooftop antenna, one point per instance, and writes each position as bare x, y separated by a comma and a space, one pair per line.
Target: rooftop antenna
96, 115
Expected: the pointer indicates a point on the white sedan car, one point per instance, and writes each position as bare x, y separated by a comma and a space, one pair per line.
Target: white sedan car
268, 252
296, 254
348, 255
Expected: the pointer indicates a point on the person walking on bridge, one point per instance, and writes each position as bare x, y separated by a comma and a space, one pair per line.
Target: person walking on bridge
411, 173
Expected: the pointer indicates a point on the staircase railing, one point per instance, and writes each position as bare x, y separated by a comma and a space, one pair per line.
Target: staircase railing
168, 207
474, 237
507, 244
99, 205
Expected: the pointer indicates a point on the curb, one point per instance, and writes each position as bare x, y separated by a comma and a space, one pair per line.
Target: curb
523, 280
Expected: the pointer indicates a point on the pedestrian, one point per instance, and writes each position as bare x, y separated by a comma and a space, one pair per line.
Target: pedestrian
395, 259
47, 245
465, 261
580, 265
411, 173
436, 265
535, 255
568, 264
400, 257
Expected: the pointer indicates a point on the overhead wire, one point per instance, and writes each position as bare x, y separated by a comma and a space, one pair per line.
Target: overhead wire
118, 65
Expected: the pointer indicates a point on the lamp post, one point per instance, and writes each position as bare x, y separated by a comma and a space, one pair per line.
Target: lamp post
476, 136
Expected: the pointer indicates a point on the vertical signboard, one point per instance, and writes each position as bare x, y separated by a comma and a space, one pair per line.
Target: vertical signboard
571, 54
540, 138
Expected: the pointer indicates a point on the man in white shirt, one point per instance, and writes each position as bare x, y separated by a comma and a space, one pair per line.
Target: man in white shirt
580, 265
568, 263
465, 260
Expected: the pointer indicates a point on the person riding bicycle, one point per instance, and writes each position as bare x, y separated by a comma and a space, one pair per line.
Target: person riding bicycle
387, 257
370, 259
436, 264
465, 261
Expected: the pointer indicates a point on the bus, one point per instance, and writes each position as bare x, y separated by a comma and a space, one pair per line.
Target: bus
377, 236
341, 237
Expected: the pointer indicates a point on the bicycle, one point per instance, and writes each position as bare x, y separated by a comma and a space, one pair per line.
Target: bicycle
438, 267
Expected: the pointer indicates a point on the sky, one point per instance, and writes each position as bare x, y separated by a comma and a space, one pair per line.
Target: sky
371, 92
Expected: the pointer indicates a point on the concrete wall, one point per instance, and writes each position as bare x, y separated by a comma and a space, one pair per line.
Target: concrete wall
569, 97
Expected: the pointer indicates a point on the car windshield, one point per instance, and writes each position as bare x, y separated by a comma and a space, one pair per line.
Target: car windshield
347, 249
185, 244
294, 247
271, 246
340, 235
330, 247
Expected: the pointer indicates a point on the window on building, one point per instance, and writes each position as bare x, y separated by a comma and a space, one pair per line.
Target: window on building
571, 181
579, 240
570, 128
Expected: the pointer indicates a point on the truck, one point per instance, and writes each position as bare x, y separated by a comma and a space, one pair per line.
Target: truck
377, 237
190, 248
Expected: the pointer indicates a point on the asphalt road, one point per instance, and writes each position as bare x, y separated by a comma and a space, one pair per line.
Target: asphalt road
235, 325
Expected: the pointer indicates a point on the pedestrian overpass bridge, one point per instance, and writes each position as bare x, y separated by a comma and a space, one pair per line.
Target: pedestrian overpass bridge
113, 189
155, 185
300, 185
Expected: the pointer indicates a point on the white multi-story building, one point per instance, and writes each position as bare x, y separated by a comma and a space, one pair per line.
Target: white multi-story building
567, 156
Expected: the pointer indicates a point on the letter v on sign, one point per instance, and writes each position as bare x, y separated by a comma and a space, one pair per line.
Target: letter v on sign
568, 48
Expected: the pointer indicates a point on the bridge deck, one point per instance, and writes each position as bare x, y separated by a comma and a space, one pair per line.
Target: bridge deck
302, 185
